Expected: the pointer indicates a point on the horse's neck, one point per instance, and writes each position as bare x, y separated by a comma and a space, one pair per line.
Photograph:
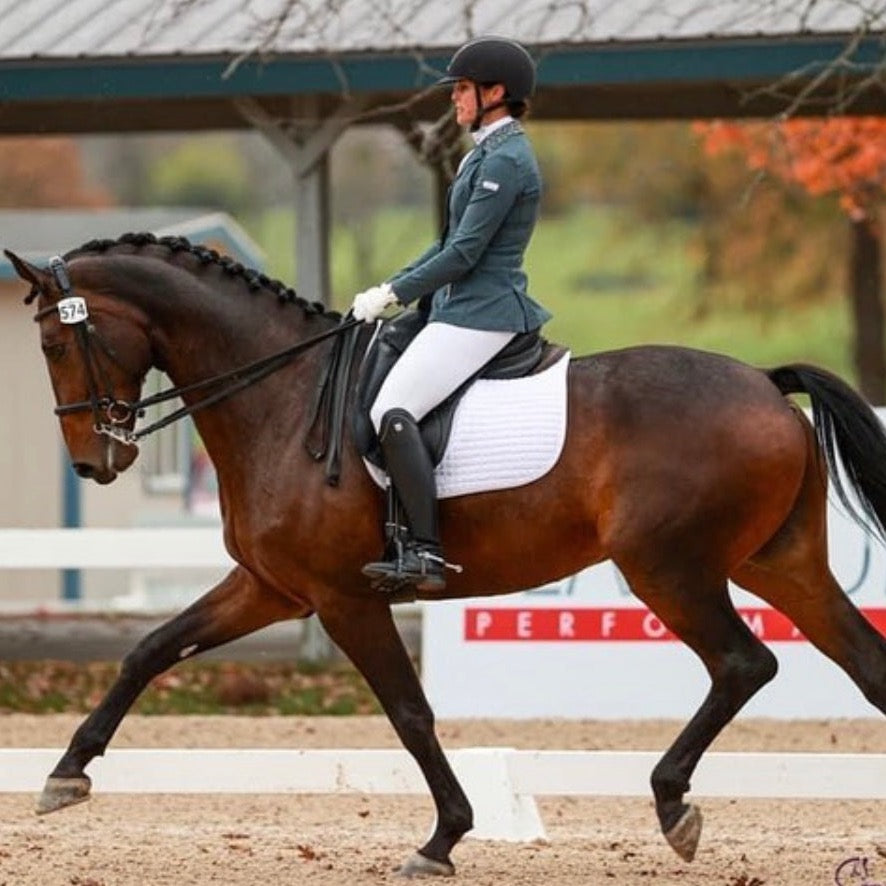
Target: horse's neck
199, 338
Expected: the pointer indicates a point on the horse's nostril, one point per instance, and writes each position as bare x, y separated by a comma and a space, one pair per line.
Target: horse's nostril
83, 470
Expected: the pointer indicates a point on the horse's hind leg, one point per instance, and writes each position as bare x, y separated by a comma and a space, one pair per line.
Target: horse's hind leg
701, 614
815, 603
236, 606
792, 574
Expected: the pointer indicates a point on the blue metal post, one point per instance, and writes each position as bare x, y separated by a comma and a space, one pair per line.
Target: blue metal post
71, 518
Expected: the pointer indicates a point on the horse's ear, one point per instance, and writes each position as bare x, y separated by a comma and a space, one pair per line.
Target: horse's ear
39, 279
28, 272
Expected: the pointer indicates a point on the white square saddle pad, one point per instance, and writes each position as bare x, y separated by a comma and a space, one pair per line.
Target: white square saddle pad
505, 433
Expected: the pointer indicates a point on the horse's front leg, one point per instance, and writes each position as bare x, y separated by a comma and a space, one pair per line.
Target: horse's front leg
235, 607
364, 630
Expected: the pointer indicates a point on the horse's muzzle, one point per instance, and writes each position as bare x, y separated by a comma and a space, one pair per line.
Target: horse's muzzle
113, 459
86, 471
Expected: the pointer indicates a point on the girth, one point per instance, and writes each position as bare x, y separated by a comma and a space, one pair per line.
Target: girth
525, 354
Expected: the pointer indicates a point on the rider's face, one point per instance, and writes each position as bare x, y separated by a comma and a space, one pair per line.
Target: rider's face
464, 97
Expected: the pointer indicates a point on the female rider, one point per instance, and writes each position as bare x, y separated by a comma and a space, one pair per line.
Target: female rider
475, 276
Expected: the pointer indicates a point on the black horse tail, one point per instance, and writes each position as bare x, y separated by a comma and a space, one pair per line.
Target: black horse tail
849, 433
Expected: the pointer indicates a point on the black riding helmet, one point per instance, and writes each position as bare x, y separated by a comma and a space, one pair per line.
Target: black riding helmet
489, 60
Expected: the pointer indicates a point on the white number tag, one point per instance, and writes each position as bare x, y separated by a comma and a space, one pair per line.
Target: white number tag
72, 309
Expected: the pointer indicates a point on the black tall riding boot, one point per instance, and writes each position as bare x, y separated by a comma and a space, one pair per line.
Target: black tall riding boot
412, 475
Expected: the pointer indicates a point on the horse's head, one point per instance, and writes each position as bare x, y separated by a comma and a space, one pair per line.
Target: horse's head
97, 350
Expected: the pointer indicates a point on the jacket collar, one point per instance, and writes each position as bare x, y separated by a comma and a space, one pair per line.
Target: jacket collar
490, 142
485, 131
497, 136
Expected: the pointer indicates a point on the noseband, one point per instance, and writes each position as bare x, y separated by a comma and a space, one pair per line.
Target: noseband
111, 414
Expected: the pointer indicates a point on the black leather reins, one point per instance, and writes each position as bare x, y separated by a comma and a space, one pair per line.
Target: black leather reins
110, 413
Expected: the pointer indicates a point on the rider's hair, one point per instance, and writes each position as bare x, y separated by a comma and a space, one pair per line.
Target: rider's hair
517, 109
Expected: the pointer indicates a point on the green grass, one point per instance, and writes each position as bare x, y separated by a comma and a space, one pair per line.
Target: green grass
609, 284
194, 687
652, 296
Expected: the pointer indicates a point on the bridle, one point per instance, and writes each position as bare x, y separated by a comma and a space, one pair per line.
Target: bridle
109, 413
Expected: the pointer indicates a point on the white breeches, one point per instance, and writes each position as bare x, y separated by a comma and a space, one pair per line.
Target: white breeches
436, 362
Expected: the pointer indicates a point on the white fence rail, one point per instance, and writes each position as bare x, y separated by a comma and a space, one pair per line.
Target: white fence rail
140, 548
146, 549
501, 783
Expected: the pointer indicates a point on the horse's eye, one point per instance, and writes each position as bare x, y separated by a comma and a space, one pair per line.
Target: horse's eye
54, 351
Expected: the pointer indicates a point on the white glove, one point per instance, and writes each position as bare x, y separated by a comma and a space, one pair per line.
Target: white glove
369, 305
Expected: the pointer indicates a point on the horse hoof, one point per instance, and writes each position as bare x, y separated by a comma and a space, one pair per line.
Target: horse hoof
683, 837
419, 866
61, 792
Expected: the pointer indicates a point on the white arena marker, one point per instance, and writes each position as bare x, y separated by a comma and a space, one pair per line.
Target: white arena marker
500, 811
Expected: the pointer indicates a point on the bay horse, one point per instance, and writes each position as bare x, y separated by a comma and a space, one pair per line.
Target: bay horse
685, 468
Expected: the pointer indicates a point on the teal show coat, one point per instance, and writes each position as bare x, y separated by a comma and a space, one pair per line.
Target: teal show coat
475, 272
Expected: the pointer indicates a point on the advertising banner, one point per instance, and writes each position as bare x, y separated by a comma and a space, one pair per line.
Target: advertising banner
585, 647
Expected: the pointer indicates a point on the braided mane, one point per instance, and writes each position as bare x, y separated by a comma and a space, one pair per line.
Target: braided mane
255, 280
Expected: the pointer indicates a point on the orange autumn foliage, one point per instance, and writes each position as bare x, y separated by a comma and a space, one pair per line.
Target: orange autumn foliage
845, 156
39, 173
